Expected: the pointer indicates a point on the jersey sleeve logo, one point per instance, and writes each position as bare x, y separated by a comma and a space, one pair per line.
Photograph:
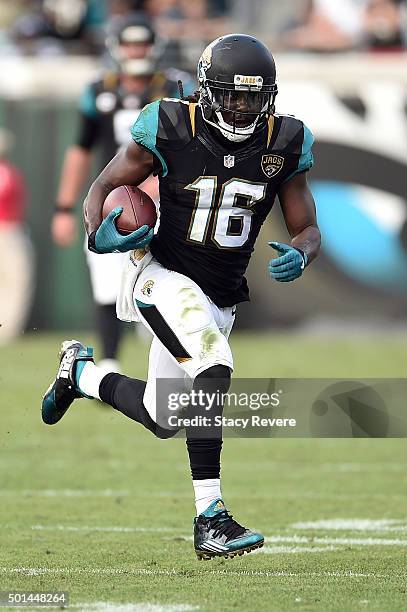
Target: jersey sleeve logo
272, 164
148, 288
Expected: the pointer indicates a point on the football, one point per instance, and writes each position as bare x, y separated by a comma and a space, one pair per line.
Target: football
138, 208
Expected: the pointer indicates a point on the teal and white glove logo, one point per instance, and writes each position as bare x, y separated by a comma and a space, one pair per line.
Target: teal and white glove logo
289, 265
109, 240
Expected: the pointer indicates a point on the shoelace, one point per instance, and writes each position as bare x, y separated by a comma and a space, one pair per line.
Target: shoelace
223, 524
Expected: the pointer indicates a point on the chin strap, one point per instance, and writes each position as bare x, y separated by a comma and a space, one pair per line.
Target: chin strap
207, 113
239, 134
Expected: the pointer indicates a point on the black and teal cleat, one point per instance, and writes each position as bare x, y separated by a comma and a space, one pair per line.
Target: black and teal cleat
63, 390
216, 534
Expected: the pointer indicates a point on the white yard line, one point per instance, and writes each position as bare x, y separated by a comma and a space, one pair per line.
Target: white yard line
323, 495
339, 524
63, 493
273, 495
367, 467
109, 571
278, 550
293, 539
276, 538
268, 574
112, 529
37, 571
295, 468
323, 540
289, 466
106, 606
296, 539
110, 606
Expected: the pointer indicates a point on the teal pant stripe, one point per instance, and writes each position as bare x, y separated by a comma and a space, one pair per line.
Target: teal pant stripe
143, 305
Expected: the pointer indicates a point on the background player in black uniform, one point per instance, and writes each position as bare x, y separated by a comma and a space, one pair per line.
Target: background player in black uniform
107, 110
221, 163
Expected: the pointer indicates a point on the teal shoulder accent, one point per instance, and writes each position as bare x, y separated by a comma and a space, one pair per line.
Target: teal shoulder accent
144, 131
306, 160
87, 103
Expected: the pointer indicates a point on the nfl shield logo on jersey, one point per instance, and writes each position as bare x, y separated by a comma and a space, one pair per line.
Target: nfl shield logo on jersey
271, 164
229, 161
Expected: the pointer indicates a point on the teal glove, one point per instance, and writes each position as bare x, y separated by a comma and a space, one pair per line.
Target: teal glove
289, 265
107, 239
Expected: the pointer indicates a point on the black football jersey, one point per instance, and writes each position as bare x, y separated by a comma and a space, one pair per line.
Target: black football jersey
214, 194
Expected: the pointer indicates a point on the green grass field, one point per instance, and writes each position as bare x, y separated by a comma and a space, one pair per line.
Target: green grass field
98, 507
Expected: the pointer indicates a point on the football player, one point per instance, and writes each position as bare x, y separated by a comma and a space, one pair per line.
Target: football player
221, 160
108, 108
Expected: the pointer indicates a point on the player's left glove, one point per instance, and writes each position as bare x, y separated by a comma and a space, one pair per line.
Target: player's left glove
107, 239
289, 265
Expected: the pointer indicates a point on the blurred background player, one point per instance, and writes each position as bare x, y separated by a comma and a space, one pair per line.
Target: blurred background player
50, 28
16, 255
108, 108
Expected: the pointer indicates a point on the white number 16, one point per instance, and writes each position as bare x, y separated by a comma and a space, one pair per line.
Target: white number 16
232, 222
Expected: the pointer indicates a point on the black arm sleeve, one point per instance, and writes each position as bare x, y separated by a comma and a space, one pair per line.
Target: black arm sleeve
88, 131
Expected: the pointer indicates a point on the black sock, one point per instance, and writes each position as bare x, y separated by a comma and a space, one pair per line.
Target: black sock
110, 329
204, 457
126, 395
205, 445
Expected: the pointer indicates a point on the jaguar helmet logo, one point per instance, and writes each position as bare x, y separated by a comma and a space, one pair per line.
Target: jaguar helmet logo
205, 61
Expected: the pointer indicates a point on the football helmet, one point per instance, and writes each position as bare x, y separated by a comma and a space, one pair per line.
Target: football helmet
131, 42
237, 85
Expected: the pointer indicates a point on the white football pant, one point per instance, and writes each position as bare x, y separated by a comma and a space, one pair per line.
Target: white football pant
190, 332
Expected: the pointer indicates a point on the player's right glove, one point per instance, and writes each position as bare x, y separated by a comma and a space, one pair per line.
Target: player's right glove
107, 239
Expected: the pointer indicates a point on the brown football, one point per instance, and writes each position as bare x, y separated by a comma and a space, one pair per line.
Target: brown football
138, 208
